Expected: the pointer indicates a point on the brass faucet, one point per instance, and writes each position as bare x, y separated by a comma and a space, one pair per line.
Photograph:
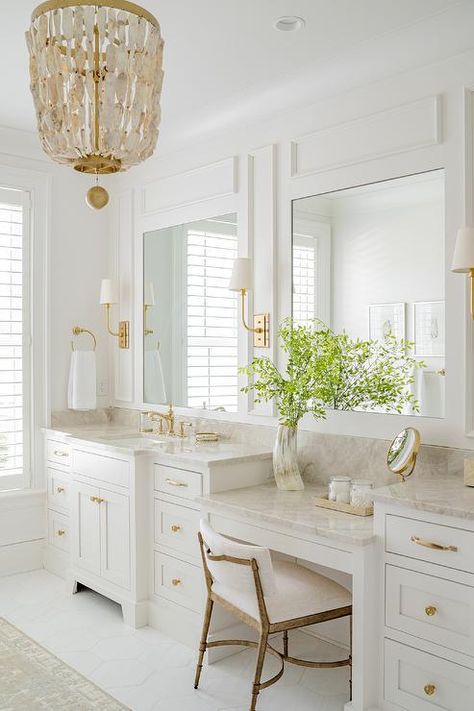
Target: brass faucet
167, 417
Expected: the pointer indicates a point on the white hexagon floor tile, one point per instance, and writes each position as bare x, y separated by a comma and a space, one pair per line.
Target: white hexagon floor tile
148, 671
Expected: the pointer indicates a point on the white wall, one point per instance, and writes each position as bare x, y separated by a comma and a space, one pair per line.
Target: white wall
399, 126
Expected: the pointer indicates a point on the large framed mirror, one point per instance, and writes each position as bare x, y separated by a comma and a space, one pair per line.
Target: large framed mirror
369, 260
190, 316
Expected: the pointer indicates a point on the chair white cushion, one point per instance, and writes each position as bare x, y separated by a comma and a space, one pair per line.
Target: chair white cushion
233, 575
299, 592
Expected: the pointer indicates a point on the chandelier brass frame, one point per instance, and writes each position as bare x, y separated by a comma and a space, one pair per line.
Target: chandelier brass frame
97, 84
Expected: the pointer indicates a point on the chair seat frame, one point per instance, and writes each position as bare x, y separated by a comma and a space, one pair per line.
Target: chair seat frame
264, 627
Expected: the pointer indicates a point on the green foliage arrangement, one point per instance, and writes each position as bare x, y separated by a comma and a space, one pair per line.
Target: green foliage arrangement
326, 370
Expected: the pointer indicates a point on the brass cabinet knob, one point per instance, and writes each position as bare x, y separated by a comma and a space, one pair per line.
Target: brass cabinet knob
176, 582
93, 499
430, 610
429, 689
61, 532
60, 489
175, 528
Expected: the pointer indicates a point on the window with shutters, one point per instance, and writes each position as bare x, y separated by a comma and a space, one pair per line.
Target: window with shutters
304, 284
211, 312
14, 338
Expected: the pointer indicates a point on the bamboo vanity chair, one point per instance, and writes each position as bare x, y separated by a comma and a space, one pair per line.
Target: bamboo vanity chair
269, 596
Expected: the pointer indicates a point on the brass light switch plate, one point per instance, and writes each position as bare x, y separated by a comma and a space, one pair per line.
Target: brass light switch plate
124, 334
261, 336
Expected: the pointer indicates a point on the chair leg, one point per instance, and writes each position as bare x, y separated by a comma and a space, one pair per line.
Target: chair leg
350, 657
203, 643
285, 643
262, 648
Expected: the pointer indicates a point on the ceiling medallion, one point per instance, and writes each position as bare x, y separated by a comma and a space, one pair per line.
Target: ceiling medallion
96, 77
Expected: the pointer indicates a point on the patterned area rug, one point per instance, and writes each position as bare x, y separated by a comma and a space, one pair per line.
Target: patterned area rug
33, 679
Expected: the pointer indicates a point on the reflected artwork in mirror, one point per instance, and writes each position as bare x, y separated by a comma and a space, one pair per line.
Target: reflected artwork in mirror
190, 316
369, 260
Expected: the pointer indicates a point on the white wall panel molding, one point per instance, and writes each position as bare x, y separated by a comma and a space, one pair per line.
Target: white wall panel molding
469, 220
403, 128
262, 202
215, 180
123, 270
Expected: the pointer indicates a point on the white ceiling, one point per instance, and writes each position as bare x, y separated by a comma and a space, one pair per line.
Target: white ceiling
224, 62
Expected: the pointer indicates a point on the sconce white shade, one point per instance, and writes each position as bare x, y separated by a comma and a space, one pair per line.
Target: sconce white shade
463, 257
241, 274
149, 296
108, 292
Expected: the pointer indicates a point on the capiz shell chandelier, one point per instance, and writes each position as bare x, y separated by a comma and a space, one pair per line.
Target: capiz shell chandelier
96, 77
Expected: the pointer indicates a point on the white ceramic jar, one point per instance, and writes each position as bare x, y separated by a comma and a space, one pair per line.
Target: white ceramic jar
339, 489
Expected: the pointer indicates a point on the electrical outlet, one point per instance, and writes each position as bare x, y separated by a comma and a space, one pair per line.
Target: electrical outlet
102, 388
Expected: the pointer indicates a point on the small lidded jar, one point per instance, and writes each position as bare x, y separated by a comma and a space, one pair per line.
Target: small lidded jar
362, 493
339, 489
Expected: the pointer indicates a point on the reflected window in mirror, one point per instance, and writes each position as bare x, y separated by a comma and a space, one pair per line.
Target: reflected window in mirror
369, 260
190, 316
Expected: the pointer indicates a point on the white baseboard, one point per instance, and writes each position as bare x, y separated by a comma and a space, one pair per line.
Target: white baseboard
56, 562
21, 557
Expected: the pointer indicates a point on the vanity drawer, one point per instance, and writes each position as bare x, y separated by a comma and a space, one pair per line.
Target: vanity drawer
178, 581
58, 530
59, 453
176, 527
431, 542
58, 490
101, 468
417, 681
179, 482
431, 608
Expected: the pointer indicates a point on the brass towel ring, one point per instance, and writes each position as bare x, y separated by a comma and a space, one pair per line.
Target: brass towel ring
77, 330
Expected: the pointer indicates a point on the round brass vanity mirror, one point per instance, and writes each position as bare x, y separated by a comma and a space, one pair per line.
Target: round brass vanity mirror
402, 453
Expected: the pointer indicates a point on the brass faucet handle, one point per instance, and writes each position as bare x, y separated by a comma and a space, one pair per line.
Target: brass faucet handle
182, 426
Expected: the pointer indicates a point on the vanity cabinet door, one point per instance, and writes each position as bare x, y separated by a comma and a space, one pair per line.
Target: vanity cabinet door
115, 537
86, 527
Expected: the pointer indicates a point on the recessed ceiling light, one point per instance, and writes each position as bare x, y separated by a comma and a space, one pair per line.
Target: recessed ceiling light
289, 23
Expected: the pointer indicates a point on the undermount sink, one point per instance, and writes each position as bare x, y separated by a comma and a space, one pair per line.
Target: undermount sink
142, 441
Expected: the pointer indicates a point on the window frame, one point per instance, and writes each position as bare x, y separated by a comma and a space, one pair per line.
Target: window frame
36, 188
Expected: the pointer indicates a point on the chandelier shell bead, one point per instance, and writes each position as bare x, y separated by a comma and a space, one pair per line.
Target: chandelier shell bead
96, 77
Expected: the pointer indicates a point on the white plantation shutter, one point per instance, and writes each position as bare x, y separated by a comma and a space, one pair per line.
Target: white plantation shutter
211, 309
304, 280
14, 338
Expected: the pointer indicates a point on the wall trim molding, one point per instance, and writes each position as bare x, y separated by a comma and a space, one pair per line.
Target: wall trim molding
403, 128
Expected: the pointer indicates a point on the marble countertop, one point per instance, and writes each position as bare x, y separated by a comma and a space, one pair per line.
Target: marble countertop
293, 510
440, 495
124, 440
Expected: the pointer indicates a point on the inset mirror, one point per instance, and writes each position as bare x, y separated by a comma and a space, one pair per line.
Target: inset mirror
403, 451
369, 261
190, 316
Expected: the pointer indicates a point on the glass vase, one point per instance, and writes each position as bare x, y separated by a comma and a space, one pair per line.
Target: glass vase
285, 464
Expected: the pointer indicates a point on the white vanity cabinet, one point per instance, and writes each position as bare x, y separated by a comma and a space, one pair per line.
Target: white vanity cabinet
58, 459
178, 589
428, 610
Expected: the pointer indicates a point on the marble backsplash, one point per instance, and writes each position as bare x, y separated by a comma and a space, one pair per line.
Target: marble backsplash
320, 455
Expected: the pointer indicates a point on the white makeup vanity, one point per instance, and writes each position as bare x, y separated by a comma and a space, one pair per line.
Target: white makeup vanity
122, 518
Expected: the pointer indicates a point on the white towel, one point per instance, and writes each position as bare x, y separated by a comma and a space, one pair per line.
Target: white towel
82, 385
155, 388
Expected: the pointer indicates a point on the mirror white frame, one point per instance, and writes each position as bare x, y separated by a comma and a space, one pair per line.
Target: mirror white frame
260, 189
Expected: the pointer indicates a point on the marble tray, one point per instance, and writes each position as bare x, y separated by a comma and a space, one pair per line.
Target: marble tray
325, 503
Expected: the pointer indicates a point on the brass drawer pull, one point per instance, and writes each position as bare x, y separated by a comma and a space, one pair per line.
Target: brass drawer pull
174, 482
99, 500
60, 489
429, 689
61, 532
96, 499
176, 582
431, 610
433, 546
175, 528
59, 453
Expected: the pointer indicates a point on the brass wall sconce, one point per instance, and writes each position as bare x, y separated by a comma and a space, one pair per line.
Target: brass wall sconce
148, 301
463, 257
241, 281
109, 296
